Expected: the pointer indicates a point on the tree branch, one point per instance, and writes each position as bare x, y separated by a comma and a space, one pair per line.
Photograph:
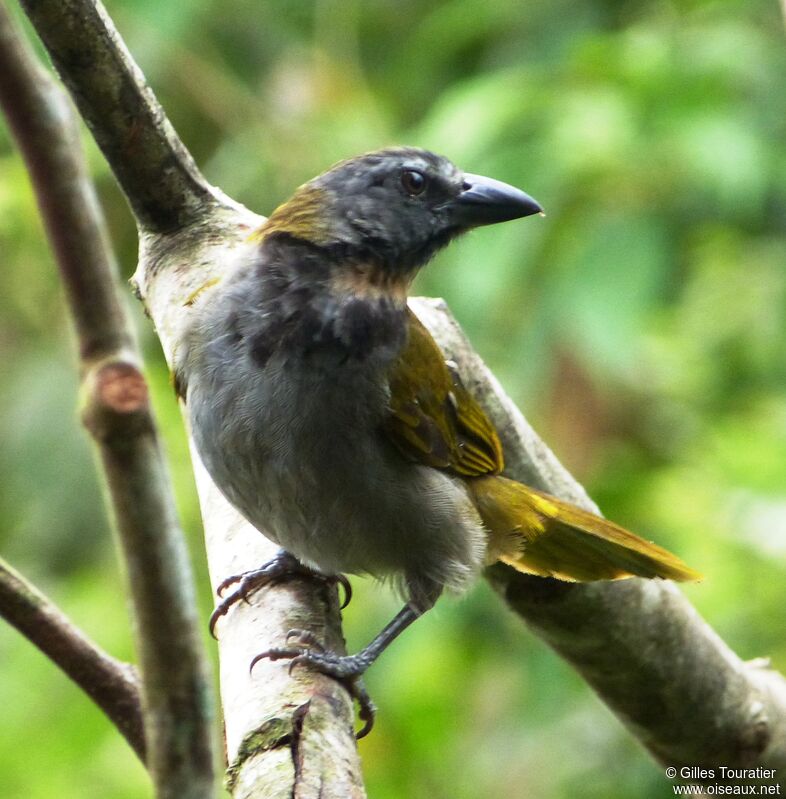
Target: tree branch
639, 643
162, 183
111, 684
176, 690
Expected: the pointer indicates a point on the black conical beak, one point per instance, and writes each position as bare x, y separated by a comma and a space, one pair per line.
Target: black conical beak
485, 201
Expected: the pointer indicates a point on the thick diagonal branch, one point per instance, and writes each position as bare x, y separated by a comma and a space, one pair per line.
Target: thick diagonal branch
176, 689
162, 183
111, 684
640, 644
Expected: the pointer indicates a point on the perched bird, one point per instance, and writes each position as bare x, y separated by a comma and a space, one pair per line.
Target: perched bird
328, 416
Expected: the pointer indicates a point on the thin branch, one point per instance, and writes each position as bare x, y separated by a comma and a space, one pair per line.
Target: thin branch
111, 684
176, 689
165, 188
639, 643
43, 124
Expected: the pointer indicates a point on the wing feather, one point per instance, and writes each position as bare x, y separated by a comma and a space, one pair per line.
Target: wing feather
433, 418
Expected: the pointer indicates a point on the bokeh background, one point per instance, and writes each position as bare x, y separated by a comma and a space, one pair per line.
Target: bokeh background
641, 326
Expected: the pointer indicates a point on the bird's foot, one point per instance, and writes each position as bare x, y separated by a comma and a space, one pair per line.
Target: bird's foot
282, 567
304, 649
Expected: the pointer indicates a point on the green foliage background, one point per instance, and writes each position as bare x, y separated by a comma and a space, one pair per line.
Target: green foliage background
640, 326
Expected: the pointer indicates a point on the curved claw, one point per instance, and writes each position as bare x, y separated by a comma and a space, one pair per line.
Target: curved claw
256, 660
341, 579
220, 611
280, 653
305, 638
268, 653
224, 584
367, 712
297, 660
239, 595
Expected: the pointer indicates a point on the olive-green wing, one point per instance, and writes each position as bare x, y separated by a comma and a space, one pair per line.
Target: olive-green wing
433, 419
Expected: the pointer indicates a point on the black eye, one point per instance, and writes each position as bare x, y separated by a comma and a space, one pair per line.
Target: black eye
414, 182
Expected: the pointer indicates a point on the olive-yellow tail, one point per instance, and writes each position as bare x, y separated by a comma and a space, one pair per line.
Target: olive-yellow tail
539, 534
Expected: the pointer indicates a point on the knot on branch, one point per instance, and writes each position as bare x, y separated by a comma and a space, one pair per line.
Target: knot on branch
116, 400
754, 738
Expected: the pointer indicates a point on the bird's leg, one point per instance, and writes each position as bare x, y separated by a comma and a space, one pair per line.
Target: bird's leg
342, 667
347, 669
282, 566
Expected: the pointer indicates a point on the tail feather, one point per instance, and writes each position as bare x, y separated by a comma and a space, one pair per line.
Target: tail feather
539, 534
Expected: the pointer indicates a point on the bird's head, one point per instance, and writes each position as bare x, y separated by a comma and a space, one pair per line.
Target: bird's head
393, 209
